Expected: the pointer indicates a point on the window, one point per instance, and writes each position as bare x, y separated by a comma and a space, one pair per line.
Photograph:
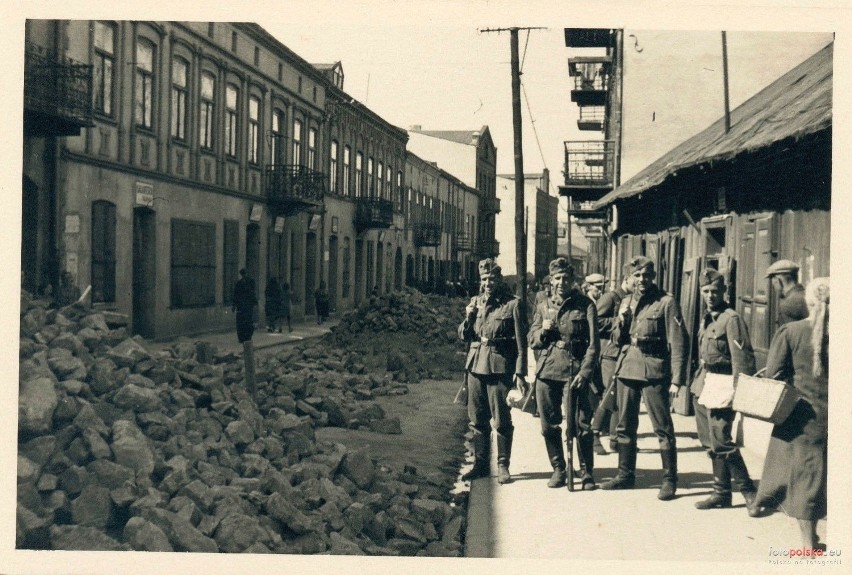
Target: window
254, 131
230, 260
359, 174
347, 153
179, 93
300, 84
389, 182
333, 167
231, 97
280, 72
104, 64
278, 137
347, 255
381, 177
371, 178
208, 84
312, 148
297, 142
103, 252
144, 83
193, 264
256, 56
399, 190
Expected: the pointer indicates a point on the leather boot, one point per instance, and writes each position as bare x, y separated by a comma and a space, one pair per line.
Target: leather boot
626, 477
557, 459
739, 473
504, 454
585, 444
479, 443
721, 497
667, 490
598, 446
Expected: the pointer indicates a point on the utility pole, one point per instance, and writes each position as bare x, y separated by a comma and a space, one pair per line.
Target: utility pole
520, 235
725, 76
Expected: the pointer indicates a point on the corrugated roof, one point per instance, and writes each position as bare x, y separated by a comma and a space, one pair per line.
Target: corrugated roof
797, 104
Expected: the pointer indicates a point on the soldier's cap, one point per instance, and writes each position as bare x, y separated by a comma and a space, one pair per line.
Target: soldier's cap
782, 267
640, 263
595, 279
560, 266
488, 268
710, 276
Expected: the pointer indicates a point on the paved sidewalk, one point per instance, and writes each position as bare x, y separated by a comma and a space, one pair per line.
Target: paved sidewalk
227, 340
526, 519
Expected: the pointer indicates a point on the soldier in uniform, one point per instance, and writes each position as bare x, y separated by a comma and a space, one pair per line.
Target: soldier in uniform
723, 347
784, 276
565, 330
608, 306
652, 360
497, 355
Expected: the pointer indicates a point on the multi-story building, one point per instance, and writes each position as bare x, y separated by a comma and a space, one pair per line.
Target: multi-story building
540, 222
472, 157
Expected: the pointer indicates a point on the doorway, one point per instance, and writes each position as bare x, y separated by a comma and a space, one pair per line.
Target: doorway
310, 272
397, 270
144, 272
332, 272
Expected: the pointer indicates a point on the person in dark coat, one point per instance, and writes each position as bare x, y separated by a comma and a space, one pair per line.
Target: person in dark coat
565, 329
284, 311
322, 302
794, 472
273, 305
497, 355
724, 348
245, 300
784, 276
651, 365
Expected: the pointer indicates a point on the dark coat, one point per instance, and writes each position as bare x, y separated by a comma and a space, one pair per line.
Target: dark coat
658, 344
723, 347
607, 306
573, 347
497, 335
792, 305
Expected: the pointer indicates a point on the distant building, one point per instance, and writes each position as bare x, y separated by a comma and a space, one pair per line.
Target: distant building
540, 221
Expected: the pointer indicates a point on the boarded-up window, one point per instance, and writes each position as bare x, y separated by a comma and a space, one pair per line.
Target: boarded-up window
103, 252
193, 264
230, 260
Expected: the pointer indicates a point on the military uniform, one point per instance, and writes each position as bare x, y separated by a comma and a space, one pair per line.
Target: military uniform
653, 357
568, 350
607, 308
792, 305
723, 348
498, 351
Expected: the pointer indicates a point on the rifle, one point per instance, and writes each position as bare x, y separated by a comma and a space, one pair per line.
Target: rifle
461, 394
570, 423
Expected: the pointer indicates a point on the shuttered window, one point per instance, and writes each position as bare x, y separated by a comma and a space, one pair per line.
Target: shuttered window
193, 272
230, 260
103, 252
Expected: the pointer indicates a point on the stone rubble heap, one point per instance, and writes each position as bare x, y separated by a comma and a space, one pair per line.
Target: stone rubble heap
121, 448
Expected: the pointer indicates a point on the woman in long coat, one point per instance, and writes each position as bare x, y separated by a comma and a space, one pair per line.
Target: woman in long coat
794, 475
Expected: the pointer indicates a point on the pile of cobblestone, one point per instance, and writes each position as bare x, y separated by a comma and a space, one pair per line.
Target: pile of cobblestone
122, 448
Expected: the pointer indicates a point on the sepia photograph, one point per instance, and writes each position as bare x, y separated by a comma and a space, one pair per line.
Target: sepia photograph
380, 287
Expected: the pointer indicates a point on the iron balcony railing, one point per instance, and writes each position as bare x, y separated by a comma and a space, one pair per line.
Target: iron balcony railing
57, 93
589, 164
591, 79
464, 243
292, 188
488, 248
373, 213
427, 234
490, 205
591, 118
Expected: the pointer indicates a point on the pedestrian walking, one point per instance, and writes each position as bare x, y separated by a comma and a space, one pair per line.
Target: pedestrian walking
724, 348
284, 311
607, 307
497, 357
245, 300
273, 305
565, 330
651, 364
784, 276
794, 472
321, 302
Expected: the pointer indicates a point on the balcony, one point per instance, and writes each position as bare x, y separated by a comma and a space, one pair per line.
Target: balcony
57, 94
584, 215
588, 168
587, 37
292, 188
427, 235
489, 205
373, 213
591, 79
487, 248
464, 243
592, 118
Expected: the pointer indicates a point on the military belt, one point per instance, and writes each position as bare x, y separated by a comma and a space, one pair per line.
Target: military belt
492, 341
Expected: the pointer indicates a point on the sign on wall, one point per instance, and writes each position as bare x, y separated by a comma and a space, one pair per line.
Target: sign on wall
256, 213
335, 224
279, 225
72, 224
144, 194
315, 223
